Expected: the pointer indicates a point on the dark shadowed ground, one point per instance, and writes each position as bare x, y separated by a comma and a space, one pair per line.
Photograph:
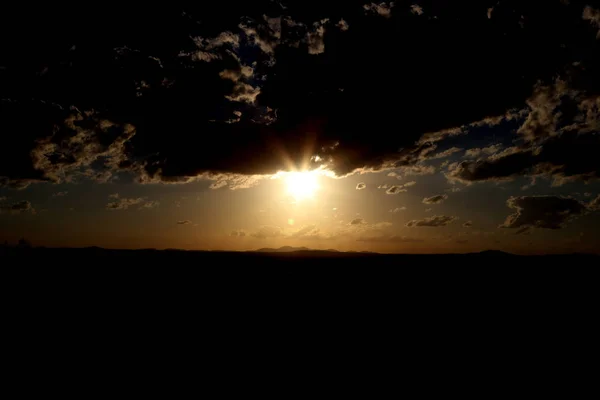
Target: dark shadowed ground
138, 313
494, 276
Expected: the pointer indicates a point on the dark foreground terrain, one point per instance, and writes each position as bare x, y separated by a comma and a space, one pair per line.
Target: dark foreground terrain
303, 273
326, 310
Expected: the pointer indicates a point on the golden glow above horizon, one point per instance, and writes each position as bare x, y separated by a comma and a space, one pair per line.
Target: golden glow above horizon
302, 185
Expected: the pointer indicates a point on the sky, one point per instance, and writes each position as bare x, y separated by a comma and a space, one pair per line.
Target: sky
395, 127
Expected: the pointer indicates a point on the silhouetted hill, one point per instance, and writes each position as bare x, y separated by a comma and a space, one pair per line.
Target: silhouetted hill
493, 253
290, 279
284, 249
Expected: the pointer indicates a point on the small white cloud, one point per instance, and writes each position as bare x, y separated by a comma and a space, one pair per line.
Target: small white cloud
416, 9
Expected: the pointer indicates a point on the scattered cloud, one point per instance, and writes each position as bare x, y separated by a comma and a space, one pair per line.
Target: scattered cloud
409, 184
234, 181
446, 153
266, 232
357, 221
416, 9
396, 190
123, 203
316, 42
593, 16
150, 204
207, 79
419, 170
435, 199
185, 222
595, 204
477, 152
343, 25
17, 208
361, 186
397, 210
468, 224
434, 222
383, 9
545, 212
306, 232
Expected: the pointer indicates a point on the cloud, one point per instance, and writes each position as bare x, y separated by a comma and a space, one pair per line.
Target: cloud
357, 221
238, 233
265, 34
489, 12
383, 9
512, 162
316, 43
396, 190
150, 205
209, 49
361, 186
233, 181
545, 212
468, 224
436, 221
96, 127
85, 146
595, 204
593, 16
17, 208
476, 152
409, 184
185, 222
558, 148
446, 153
266, 232
343, 25
419, 170
435, 199
397, 210
306, 232
243, 92
60, 194
416, 9
123, 203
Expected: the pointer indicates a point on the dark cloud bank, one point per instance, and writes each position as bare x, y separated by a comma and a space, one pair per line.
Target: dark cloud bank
247, 88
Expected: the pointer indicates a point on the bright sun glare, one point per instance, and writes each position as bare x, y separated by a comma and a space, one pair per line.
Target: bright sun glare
302, 185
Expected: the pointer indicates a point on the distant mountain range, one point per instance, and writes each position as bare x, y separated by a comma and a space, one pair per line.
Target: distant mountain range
290, 249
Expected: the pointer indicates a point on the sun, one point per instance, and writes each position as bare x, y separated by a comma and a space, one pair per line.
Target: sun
302, 185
